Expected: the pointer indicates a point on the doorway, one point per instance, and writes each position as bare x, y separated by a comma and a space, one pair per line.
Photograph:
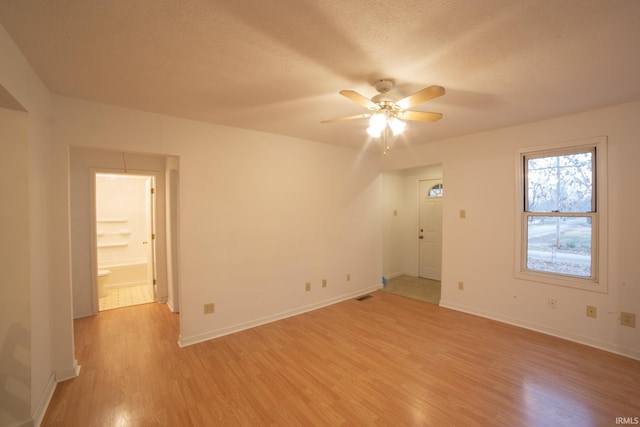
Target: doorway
413, 205
125, 239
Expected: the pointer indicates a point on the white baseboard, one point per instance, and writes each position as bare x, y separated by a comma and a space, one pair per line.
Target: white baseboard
50, 388
402, 273
67, 374
27, 423
43, 403
170, 305
601, 345
83, 314
184, 342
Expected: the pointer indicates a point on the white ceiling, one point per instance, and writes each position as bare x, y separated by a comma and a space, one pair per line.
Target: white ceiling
277, 66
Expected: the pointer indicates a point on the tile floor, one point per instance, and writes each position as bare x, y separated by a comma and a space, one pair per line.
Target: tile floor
124, 297
415, 287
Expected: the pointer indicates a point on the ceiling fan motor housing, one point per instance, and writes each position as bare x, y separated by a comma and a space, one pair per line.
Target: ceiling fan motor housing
383, 86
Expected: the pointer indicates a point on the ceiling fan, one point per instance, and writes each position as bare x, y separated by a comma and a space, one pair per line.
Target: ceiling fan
386, 110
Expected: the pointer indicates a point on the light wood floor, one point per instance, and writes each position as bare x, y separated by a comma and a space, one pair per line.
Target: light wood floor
384, 361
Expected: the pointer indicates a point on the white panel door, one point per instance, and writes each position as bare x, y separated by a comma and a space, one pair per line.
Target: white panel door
430, 229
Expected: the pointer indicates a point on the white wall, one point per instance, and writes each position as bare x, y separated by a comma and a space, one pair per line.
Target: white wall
480, 176
124, 198
24, 87
259, 215
393, 217
172, 179
15, 304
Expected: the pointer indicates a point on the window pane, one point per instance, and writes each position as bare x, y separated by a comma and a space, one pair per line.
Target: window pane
559, 244
560, 183
436, 191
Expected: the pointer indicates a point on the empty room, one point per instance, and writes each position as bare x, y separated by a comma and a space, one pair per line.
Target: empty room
419, 213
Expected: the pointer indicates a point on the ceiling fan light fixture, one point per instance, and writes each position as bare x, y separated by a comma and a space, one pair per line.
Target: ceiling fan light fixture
378, 121
397, 126
374, 132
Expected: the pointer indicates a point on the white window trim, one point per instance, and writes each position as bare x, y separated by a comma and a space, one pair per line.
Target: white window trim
599, 282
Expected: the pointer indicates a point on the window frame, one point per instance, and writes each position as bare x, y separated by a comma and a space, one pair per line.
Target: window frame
598, 280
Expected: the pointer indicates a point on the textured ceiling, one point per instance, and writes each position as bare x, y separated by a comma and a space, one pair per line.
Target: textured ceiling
278, 66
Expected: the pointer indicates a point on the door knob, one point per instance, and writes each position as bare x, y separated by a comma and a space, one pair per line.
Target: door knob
145, 242
421, 237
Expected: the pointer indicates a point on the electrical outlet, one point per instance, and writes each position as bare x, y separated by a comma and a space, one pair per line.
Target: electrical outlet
324, 283
551, 303
461, 286
463, 214
628, 319
209, 308
307, 287
592, 311
348, 277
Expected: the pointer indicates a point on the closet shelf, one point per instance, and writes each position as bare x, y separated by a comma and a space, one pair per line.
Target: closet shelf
113, 245
112, 220
123, 232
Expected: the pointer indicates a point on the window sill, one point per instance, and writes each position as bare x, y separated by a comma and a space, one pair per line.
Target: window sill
566, 281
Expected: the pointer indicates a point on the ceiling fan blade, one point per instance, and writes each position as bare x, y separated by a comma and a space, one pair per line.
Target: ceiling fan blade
359, 99
421, 116
421, 96
360, 116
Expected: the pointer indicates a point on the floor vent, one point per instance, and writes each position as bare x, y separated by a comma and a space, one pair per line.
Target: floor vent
363, 297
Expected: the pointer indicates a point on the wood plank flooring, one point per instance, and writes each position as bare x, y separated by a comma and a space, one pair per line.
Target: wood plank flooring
384, 361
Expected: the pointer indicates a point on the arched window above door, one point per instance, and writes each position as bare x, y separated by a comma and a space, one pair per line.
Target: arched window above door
436, 191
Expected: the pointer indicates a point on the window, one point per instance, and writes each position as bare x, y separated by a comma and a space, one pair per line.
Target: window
561, 215
436, 191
